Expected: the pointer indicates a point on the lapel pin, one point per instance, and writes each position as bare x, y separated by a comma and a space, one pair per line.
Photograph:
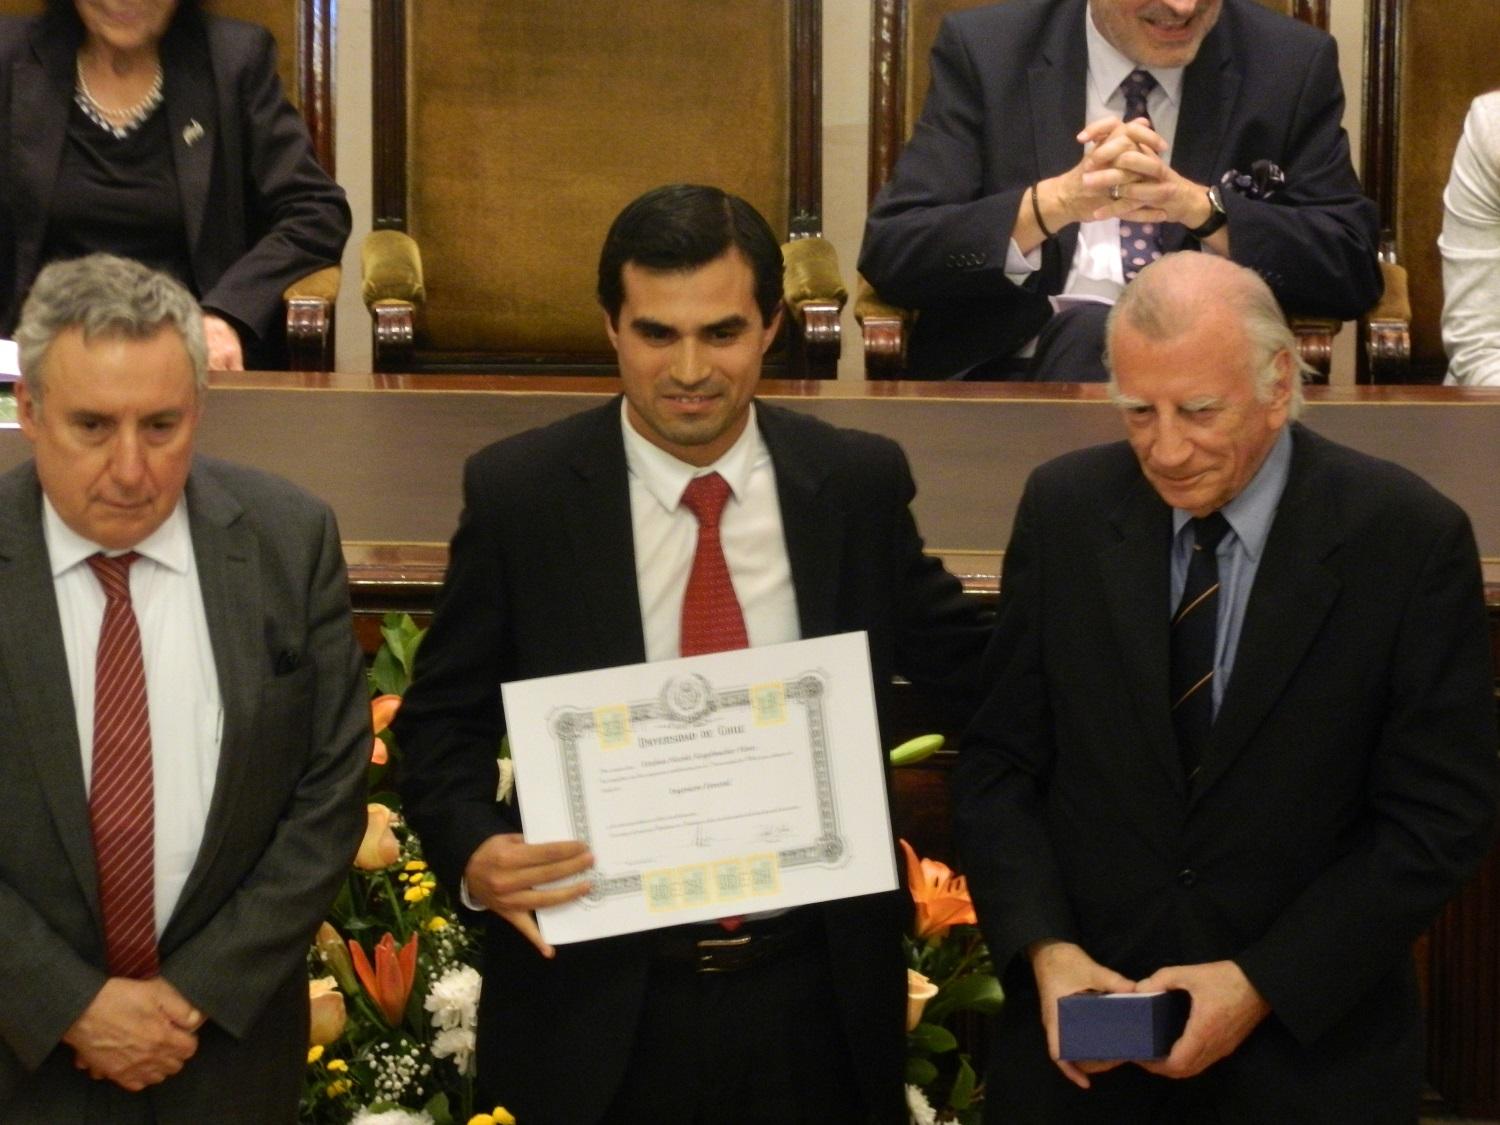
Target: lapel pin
192, 132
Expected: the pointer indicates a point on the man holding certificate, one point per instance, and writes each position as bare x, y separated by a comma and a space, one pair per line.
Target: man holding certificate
682, 519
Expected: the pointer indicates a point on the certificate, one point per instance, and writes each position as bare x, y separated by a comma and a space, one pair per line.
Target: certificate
709, 786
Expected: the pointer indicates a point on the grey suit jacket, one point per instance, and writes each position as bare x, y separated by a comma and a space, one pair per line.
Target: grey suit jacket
284, 820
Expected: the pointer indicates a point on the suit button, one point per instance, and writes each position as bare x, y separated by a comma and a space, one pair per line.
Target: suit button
1187, 877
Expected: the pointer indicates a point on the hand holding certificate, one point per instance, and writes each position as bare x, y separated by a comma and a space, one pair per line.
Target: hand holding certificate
726, 784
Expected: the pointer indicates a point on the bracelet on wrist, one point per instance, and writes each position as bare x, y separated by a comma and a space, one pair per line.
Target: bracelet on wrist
1036, 213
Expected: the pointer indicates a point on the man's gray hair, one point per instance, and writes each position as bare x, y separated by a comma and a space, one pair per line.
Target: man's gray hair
105, 296
1161, 312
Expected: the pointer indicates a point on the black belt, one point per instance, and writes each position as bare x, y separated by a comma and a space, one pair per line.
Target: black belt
713, 949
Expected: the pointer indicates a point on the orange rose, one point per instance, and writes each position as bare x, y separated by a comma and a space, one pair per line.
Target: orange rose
327, 1007
379, 848
941, 897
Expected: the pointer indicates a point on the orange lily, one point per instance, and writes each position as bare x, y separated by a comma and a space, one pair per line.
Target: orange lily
389, 982
383, 709
941, 897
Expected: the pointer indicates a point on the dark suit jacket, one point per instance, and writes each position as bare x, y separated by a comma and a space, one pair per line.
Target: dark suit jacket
541, 580
1006, 102
284, 821
260, 213
1349, 786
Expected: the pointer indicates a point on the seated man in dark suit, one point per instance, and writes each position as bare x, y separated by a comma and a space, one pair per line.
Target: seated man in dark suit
184, 728
1010, 230
578, 549
1240, 738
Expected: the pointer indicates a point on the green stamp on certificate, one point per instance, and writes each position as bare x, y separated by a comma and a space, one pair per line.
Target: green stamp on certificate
765, 874
613, 727
661, 890
730, 880
768, 703
694, 884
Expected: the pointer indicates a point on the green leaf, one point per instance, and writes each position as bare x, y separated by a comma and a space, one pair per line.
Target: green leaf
439, 1109
915, 750
919, 1072
932, 1038
386, 673
963, 1085
976, 992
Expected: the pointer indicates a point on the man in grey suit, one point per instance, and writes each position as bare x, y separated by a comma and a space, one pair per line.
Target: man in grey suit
182, 729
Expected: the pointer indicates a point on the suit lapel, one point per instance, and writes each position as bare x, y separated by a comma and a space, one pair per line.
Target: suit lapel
229, 579
1210, 87
35, 665
1293, 592
597, 511
1136, 574
1056, 84
41, 96
192, 120
811, 525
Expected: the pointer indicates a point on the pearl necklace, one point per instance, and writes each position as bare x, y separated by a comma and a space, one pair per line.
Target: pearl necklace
120, 123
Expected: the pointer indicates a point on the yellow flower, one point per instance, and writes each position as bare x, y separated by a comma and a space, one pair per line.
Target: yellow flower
379, 848
415, 865
416, 893
341, 1086
497, 1116
437, 922
314, 1053
338, 1065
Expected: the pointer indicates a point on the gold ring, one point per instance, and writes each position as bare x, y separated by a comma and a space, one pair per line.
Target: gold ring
1114, 193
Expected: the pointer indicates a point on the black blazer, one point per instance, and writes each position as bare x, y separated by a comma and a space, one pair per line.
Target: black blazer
1349, 786
541, 580
1006, 101
260, 212
286, 815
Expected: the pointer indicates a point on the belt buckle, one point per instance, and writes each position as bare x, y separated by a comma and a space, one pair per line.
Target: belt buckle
710, 950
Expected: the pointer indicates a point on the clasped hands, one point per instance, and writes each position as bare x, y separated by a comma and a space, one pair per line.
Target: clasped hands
1124, 175
135, 1033
1226, 1007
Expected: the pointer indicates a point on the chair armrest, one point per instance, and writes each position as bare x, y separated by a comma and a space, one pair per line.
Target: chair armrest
1315, 343
1388, 328
394, 291
310, 303
886, 329
814, 292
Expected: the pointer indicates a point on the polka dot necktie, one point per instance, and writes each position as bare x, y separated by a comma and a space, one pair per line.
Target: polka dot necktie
1195, 630
1140, 243
711, 617
121, 789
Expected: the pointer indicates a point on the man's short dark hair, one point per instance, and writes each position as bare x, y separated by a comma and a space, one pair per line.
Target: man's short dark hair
682, 227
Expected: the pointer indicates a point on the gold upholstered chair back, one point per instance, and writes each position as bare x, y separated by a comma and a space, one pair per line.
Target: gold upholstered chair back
508, 135
1424, 63
902, 34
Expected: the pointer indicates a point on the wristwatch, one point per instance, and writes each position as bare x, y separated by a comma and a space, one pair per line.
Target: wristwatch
1217, 216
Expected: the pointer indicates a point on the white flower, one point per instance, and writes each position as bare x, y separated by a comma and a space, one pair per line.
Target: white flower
916, 1105
453, 998
392, 1117
458, 1042
507, 781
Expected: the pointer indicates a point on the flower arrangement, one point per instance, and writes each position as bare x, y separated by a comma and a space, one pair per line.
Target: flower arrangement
393, 977
949, 972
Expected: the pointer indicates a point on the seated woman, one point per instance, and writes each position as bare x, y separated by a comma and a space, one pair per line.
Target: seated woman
156, 132
1470, 244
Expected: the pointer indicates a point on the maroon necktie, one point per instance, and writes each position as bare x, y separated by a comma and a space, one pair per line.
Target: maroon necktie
121, 794
711, 616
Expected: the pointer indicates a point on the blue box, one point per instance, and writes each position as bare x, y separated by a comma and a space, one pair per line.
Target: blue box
1120, 1025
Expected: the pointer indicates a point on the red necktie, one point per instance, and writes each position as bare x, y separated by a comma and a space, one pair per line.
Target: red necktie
711, 617
121, 794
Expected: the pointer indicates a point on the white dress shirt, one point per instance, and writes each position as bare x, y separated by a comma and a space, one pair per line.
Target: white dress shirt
182, 686
1096, 270
666, 537
1470, 245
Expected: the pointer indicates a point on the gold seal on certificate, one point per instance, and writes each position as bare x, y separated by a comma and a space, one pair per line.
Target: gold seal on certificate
730, 783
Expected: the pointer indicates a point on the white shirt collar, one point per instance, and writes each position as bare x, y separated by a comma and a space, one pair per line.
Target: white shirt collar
1108, 67
170, 545
665, 477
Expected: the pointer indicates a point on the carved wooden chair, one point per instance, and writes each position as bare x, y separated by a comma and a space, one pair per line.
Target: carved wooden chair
902, 35
1424, 64
303, 30
508, 136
